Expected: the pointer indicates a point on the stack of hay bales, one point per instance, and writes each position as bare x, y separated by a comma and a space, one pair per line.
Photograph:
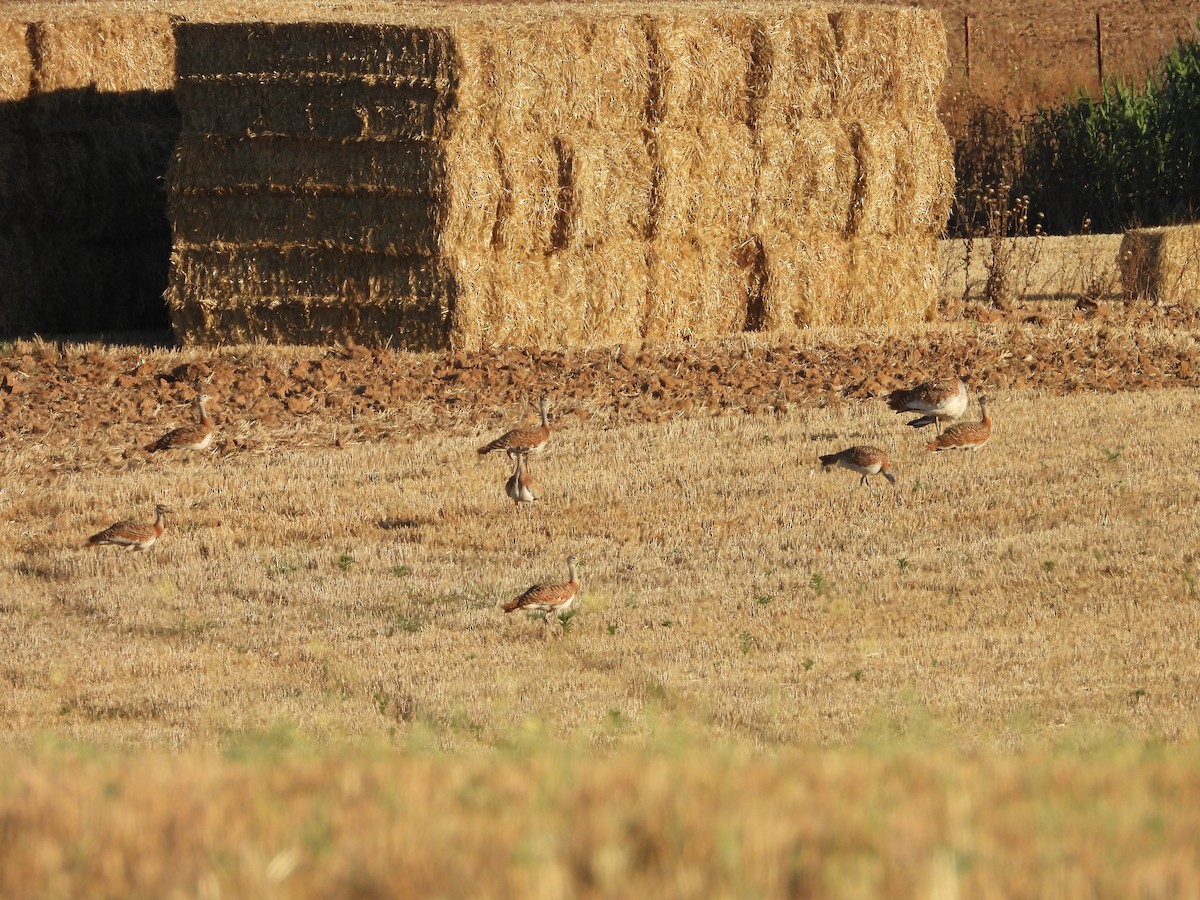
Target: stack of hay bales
87, 126
304, 193
1162, 264
551, 174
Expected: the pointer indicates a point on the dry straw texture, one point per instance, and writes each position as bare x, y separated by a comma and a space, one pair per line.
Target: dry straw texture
588, 175
16, 66
1162, 264
111, 55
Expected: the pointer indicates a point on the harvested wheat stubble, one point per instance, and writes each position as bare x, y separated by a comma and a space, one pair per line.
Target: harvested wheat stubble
244, 271
16, 65
111, 55
224, 164
377, 223
339, 49
1162, 264
311, 107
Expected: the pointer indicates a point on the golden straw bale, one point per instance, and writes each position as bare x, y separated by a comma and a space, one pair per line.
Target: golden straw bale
472, 191
317, 106
567, 72
807, 279
236, 320
891, 61
342, 49
16, 65
702, 67
575, 189
905, 177
802, 53
111, 55
696, 289
891, 282
1162, 264
222, 163
704, 181
219, 270
807, 181
384, 223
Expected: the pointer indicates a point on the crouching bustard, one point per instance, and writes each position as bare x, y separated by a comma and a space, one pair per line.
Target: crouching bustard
522, 487
188, 437
966, 435
132, 534
521, 441
552, 599
866, 461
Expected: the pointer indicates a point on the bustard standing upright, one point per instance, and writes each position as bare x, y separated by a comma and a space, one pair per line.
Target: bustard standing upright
133, 534
523, 440
188, 437
966, 435
866, 461
935, 400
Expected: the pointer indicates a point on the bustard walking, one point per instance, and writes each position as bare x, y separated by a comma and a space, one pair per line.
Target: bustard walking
866, 461
522, 487
133, 534
966, 435
553, 599
188, 437
935, 400
520, 441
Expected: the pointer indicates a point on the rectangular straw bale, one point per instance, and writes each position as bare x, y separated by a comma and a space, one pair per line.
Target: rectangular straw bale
702, 68
405, 326
384, 223
801, 52
905, 177
472, 193
572, 190
248, 271
1162, 264
561, 73
607, 286
807, 279
501, 297
110, 54
807, 180
16, 65
341, 49
317, 106
221, 163
891, 61
704, 181
892, 282
697, 289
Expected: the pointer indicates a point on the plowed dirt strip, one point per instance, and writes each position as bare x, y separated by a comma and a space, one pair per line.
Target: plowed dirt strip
86, 403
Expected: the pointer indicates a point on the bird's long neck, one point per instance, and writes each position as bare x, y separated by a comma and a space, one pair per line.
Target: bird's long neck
545, 413
983, 413
159, 521
574, 579
203, 412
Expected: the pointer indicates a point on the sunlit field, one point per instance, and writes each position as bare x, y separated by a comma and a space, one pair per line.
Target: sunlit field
772, 666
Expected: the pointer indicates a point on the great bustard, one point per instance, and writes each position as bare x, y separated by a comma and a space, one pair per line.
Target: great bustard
554, 599
188, 437
866, 461
522, 487
935, 400
523, 440
133, 534
966, 435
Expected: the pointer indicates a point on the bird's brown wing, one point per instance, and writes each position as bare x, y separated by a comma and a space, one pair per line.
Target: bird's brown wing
542, 595
964, 435
517, 439
184, 436
123, 533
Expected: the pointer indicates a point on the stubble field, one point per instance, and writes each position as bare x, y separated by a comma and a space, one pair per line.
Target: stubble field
778, 682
